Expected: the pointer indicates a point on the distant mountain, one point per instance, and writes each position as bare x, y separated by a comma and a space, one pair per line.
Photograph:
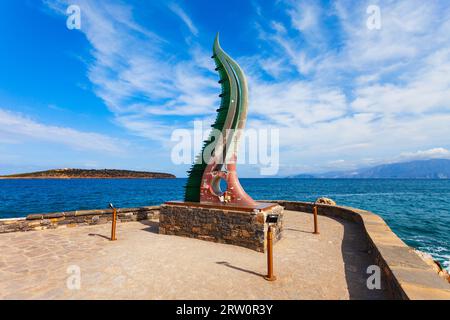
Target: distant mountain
90, 173
419, 169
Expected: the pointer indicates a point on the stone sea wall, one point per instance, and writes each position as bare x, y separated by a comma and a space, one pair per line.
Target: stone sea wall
245, 229
76, 218
407, 275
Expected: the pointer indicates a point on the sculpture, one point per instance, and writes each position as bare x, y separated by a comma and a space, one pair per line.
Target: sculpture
205, 176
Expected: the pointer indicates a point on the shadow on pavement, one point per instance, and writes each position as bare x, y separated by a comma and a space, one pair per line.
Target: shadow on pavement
99, 235
227, 264
152, 226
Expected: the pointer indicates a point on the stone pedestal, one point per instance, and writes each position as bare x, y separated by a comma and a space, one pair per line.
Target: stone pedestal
241, 226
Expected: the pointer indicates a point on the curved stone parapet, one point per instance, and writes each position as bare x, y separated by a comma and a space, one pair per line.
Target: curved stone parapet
407, 275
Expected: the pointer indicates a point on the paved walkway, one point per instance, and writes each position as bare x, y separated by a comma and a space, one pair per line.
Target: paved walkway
145, 265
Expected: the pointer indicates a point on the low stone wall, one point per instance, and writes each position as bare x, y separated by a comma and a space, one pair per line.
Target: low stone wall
76, 218
408, 276
245, 229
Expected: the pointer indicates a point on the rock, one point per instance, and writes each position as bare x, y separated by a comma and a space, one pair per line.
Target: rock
326, 201
35, 217
245, 234
444, 275
428, 259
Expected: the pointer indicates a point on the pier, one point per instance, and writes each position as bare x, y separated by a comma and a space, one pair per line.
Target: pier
143, 264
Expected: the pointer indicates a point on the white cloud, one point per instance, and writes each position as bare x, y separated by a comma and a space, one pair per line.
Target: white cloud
304, 16
295, 103
425, 89
410, 31
137, 78
184, 17
435, 153
15, 127
381, 93
336, 92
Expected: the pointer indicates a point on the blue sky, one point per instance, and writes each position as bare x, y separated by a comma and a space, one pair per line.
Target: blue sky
110, 94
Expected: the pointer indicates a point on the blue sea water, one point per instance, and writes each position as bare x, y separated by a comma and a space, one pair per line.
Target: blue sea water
418, 211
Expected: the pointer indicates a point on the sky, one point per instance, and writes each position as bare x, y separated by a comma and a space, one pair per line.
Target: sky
348, 84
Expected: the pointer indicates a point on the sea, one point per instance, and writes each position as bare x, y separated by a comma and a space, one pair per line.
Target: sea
418, 211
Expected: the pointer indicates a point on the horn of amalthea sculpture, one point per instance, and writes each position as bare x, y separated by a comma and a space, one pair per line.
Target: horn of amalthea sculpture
217, 160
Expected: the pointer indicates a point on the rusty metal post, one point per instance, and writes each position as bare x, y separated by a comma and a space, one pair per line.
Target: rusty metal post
113, 227
270, 276
316, 225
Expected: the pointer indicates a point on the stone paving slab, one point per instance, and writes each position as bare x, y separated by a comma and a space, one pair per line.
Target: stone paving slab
143, 264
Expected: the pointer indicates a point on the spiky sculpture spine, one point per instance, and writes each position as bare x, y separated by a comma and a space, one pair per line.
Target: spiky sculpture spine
203, 184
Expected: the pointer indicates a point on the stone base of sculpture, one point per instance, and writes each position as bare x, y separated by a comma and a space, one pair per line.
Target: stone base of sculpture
243, 226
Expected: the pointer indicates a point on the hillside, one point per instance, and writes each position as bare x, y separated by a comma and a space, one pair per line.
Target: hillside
419, 169
90, 173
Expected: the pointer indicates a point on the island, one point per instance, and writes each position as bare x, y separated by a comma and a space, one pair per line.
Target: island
90, 174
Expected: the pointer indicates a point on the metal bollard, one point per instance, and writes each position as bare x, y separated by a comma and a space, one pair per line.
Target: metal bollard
316, 225
114, 221
270, 276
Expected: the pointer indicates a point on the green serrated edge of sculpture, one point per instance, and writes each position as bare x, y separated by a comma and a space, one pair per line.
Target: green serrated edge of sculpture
233, 83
